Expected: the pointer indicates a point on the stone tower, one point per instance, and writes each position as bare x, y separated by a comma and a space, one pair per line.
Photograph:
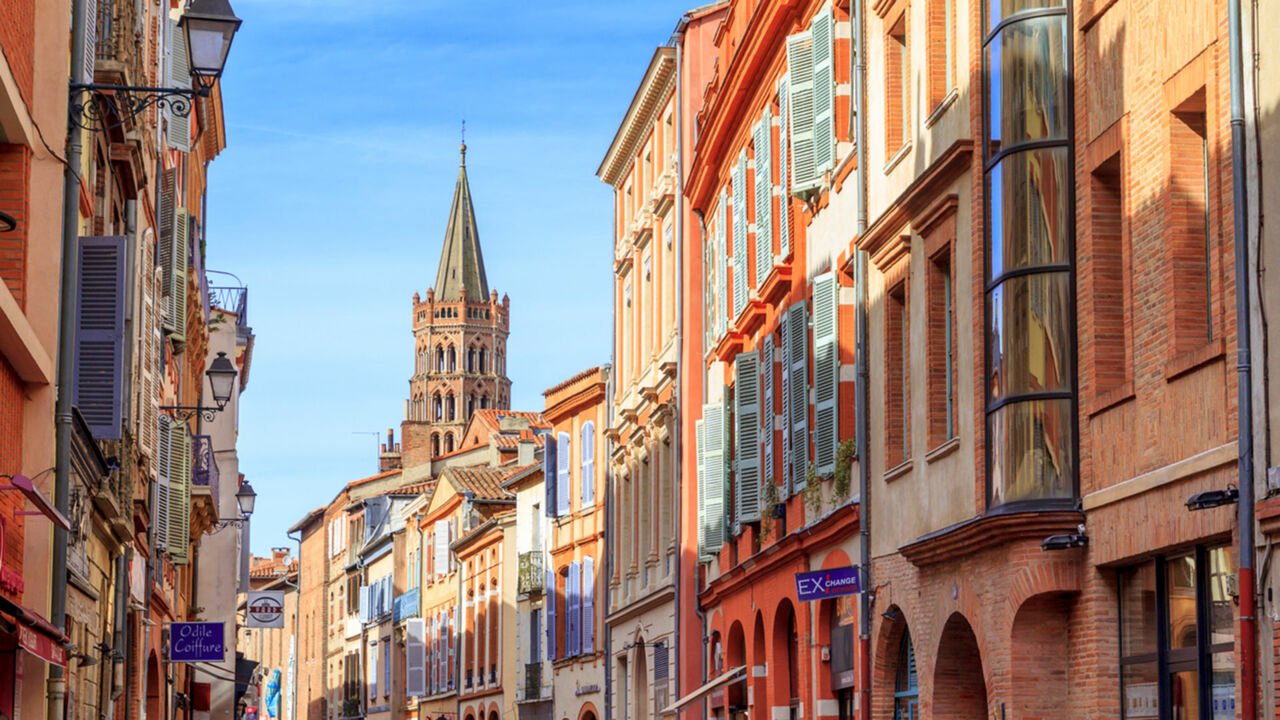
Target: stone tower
460, 341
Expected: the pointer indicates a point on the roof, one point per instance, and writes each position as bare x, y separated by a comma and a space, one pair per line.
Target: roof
270, 567
461, 264
576, 378
485, 483
308, 518
492, 417
657, 84
371, 478
504, 441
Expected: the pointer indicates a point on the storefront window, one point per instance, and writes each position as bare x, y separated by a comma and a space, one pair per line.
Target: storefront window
1176, 643
1030, 305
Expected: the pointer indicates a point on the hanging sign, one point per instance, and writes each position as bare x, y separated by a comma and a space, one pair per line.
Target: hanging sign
265, 609
197, 642
832, 582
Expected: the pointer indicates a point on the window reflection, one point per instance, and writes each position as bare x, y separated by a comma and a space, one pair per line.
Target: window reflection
1027, 82
1001, 9
1030, 210
1030, 335
1031, 451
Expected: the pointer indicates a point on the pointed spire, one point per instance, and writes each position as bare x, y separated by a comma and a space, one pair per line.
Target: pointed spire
461, 262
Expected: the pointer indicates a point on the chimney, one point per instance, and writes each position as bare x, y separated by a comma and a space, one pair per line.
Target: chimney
280, 555
390, 457
525, 448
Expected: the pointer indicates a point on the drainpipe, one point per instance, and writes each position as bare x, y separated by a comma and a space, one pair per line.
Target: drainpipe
862, 408
702, 616
56, 684
1244, 379
297, 613
678, 42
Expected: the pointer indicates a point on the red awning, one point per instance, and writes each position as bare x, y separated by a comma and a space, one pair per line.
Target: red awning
23, 483
37, 635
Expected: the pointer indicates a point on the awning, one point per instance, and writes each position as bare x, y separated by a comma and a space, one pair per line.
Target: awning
23, 484
733, 675
37, 635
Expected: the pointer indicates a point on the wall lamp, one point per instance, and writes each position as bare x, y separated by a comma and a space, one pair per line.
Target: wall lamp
1066, 541
245, 499
208, 27
222, 379
1213, 498
7, 222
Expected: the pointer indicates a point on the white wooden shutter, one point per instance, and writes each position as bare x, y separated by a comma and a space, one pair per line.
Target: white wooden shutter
415, 655
179, 494
822, 28
826, 372
164, 450
178, 133
784, 447
714, 432
588, 452
700, 449
373, 672
450, 642
722, 284
738, 179
564, 479
798, 358
747, 436
766, 409
804, 175
442, 548
784, 176
588, 604
763, 140
89, 38
364, 604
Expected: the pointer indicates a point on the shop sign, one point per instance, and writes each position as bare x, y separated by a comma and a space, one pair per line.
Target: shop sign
265, 609
832, 582
196, 642
42, 646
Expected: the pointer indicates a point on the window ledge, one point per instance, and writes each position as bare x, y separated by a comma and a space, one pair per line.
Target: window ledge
897, 157
897, 471
943, 450
942, 108
1111, 398
1185, 362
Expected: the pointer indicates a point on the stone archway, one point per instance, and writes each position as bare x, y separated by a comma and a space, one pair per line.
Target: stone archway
784, 660
155, 698
641, 673
959, 684
736, 656
759, 672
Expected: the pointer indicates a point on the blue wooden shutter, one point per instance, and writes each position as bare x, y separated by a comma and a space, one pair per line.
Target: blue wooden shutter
588, 452
713, 515
804, 176
563, 479
99, 344
549, 475
822, 28
746, 418
738, 179
588, 604
784, 447
572, 610
551, 613
826, 372
763, 141
766, 409
784, 176
798, 358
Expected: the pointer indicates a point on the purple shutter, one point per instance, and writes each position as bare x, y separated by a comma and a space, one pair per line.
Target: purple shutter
563, 481
573, 606
99, 345
551, 613
588, 604
549, 473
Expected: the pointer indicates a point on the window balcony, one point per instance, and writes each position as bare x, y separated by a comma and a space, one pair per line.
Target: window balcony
531, 573
532, 681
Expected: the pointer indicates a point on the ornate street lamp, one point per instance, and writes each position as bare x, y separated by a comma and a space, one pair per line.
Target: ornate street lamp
245, 498
208, 27
222, 379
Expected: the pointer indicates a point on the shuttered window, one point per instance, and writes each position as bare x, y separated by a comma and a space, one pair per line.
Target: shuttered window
722, 284
179, 494
588, 452
573, 609
826, 372
97, 388
178, 133
563, 479
798, 393
784, 177
415, 654
711, 517
174, 225
784, 448
822, 28
800, 80
551, 614
738, 186
766, 409
442, 548
549, 462
747, 437
762, 140
164, 450
588, 604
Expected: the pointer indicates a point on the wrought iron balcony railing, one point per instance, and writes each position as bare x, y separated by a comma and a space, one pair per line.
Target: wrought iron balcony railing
231, 299
531, 572
532, 681
204, 469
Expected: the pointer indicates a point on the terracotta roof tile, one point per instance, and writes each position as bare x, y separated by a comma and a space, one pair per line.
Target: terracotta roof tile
483, 482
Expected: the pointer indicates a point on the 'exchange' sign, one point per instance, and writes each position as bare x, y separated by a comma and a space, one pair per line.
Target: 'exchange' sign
196, 642
827, 583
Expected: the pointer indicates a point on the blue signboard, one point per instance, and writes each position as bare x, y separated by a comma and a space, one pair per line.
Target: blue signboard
197, 642
827, 583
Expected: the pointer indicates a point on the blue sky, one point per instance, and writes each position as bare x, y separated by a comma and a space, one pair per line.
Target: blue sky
331, 198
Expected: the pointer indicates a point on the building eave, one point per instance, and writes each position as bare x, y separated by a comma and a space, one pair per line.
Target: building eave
658, 82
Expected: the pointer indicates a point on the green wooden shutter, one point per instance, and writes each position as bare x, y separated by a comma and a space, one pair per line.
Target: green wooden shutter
97, 388
738, 181
746, 417
798, 412
826, 372
178, 132
824, 92
700, 449
763, 139
714, 432
804, 176
784, 447
164, 453
766, 409
784, 177
179, 494
177, 274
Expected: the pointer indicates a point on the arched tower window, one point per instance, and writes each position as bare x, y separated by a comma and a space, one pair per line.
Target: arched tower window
439, 359
471, 360
484, 402
482, 359
435, 444
448, 443
471, 405
453, 359
451, 408
439, 409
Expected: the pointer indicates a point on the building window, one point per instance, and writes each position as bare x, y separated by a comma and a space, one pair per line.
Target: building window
1177, 637
897, 86
1109, 269
535, 635
1190, 250
897, 358
942, 348
906, 692
448, 444
942, 33
1030, 305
